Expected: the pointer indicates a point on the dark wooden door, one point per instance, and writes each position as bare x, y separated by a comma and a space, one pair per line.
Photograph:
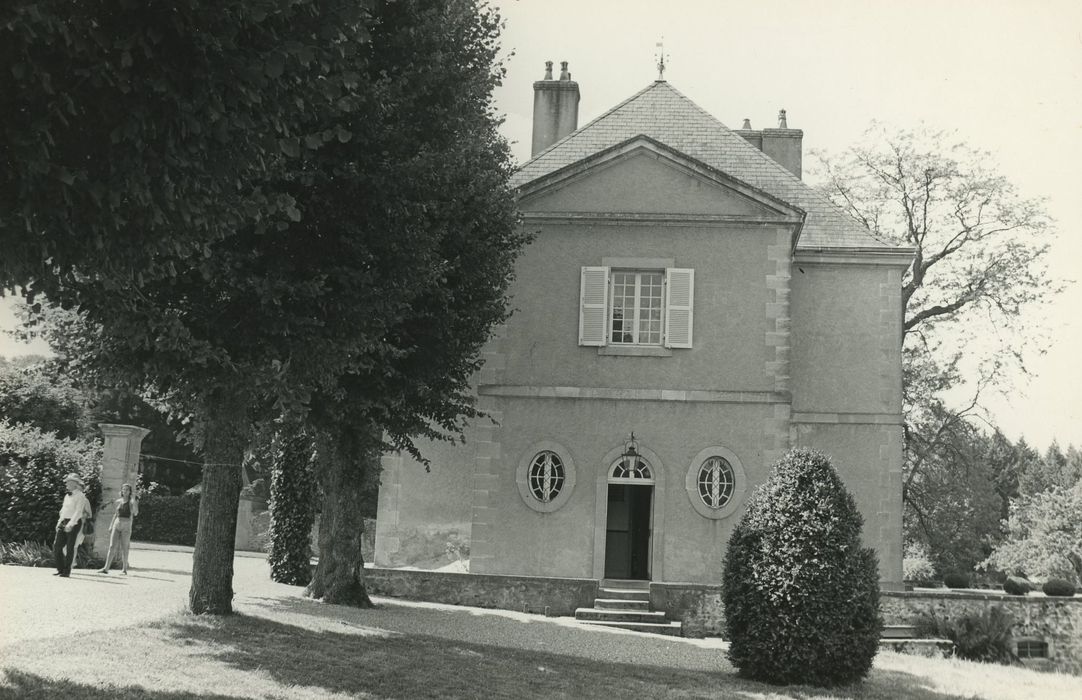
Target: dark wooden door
627, 532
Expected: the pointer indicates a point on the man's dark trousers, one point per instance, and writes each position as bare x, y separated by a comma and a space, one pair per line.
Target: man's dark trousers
65, 539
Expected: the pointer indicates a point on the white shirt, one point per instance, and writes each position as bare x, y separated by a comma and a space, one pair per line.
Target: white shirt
75, 504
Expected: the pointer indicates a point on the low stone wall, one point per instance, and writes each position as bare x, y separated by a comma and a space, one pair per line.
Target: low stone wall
533, 594
1056, 621
696, 606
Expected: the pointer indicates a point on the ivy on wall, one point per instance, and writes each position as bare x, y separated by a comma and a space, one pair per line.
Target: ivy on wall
292, 506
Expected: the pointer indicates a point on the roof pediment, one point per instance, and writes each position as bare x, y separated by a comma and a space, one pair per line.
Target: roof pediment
642, 176
661, 113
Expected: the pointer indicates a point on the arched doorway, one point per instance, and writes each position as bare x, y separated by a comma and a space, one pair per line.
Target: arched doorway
629, 518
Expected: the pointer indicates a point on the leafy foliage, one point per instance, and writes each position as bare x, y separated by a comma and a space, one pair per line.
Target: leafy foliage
1044, 535
916, 566
801, 595
983, 636
1055, 468
137, 133
979, 268
345, 224
292, 507
27, 553
447, 171
167, 519
953, 506
30, 397
32, 469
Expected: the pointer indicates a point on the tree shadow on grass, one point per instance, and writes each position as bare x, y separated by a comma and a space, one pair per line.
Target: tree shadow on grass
423, 666
29, 686
175, 572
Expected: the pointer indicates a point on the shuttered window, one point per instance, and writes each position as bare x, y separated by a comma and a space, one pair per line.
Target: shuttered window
679, 299
636, 307
593, 306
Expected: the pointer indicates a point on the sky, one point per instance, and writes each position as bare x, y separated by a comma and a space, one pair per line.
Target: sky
1005, 74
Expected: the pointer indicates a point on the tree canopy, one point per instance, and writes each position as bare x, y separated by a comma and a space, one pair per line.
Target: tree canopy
368, 231
978, 274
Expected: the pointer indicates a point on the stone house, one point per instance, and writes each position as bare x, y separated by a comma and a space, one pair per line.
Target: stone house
689, 310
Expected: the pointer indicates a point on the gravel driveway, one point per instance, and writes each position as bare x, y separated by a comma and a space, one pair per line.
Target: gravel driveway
38, 605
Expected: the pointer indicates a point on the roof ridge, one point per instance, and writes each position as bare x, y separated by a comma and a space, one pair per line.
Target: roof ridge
590, 123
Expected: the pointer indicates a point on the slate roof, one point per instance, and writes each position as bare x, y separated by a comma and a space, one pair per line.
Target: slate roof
661, 112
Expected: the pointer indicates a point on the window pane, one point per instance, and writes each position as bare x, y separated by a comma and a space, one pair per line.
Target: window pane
637, 299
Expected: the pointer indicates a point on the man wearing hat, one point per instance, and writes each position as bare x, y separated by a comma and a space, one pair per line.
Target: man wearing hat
72, 512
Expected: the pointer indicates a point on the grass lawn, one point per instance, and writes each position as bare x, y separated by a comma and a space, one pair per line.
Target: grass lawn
311, 651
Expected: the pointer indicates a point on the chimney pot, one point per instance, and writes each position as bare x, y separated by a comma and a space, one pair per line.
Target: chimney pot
555, 108
747, 124
782, 124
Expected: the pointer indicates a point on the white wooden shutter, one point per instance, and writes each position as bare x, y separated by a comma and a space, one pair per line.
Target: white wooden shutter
679, 300
593, 305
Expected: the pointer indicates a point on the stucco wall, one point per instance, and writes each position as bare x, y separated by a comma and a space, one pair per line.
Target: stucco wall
846, 338
730, 297
687, 547
423, 515
868, 459
846, 387
780, 357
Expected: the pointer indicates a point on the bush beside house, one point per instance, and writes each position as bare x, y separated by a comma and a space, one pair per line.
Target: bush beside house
801, 595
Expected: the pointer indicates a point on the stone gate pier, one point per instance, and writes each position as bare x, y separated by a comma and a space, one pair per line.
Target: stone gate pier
119, 465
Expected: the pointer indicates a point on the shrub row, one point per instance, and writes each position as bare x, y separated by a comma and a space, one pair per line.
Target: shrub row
167, 519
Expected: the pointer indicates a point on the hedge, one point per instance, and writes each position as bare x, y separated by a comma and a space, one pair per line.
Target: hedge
167, 519
33, 464
801, 593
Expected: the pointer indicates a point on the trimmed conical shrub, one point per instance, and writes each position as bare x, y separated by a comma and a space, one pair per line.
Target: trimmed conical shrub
801, 595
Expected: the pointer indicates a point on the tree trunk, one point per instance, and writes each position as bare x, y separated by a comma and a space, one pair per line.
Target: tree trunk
212, 562
339, 577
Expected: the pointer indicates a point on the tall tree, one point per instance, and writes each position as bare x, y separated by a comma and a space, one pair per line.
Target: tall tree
1044, 535
979, 269
1054, 468
139, 140
438, 61
371, 302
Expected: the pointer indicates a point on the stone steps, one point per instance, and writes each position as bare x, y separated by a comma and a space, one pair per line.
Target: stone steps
636, 594
636, 616
903, 639
669, 629
898, 632
625, 605
618, 604
625, 583
919, 647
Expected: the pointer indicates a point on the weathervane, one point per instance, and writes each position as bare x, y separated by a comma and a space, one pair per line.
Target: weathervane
661, 59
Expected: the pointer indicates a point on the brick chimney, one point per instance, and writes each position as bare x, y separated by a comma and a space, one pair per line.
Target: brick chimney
783, 145
555, 108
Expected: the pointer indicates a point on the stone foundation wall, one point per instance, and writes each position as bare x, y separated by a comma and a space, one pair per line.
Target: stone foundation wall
1056, 621
696, 606
533, 594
